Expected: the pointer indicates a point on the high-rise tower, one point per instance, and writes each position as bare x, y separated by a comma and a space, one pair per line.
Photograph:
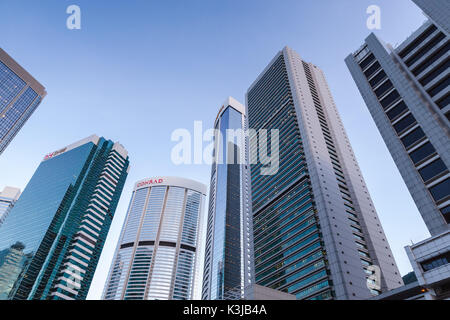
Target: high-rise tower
229, 267
158, 251
316, 232
407, 91
51, 241
408, 95
20, 95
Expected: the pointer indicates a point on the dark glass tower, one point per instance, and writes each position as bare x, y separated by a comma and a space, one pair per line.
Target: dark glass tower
51, 241
228, 271
20, 95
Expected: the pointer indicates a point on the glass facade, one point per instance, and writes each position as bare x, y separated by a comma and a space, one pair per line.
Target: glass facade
286, 231
228, 268
52, 239
157, 251
18, 99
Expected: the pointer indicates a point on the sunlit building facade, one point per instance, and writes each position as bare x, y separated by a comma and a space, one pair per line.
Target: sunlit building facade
158, 251
20, 95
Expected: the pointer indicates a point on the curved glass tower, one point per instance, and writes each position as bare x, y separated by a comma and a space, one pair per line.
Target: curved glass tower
158, 249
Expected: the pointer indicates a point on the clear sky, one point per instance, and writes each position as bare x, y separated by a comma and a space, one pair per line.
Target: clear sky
139, 69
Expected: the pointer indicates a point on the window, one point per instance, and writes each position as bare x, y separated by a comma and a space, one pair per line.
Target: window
385, 87
432, 59
436, 262
426, 48
397, 110
432, 170
422, 153
446, 213
389, 99
367, 61
413, 137
444, 83
405, 123
417, 41
377, 79
445, 101
441, 190
372, 69
434, 73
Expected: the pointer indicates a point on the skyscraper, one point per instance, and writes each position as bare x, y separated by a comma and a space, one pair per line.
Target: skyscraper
229, 268
407, 91
51, 241
158, 250
316, 232
20, 95
8, 198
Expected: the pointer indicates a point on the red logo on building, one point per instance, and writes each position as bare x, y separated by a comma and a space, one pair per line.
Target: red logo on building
54, 154
149, 182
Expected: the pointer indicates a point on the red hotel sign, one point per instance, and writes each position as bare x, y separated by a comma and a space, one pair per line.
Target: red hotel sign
149, 182
54, 154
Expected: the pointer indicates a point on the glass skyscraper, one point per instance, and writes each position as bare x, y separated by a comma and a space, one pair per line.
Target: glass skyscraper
158, 250
8, 198
20, 95
229, 269
51, 241
316, 231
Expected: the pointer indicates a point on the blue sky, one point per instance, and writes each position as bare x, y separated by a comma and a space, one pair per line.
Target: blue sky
137, 70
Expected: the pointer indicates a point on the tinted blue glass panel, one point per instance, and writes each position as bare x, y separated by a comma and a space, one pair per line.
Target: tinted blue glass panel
10, 86
26, 225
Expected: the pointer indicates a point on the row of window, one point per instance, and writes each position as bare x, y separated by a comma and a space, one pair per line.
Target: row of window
436, 262
353, 218
402, 121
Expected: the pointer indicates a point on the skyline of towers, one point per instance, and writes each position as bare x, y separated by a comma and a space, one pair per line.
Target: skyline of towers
51, 241
313, 221
20, 95
229, 269
158, 250
316, 232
